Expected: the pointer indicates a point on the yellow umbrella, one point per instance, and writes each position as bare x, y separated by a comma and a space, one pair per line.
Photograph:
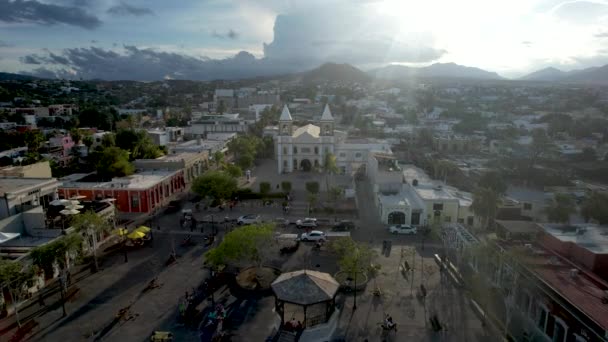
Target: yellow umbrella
121, 231
136, 235
142, 229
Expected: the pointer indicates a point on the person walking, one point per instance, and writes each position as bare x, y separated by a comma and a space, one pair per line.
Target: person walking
41, 299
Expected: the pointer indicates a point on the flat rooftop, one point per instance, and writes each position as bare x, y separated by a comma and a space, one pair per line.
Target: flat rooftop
589, 236
142, 180
584, 291
13, 184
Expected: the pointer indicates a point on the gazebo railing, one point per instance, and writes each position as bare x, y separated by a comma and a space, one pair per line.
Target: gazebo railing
315, 320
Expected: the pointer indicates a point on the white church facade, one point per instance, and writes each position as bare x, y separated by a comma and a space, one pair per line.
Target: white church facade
305, 148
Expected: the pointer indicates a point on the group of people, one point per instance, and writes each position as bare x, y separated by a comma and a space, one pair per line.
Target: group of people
293, 325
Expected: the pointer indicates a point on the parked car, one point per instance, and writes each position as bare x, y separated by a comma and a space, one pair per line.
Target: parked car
314, 235
402, 229
344, 225
308, 222
248, 219
281, 222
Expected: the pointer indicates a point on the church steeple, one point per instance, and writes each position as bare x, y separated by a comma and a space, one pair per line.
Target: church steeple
327, 122
285, 122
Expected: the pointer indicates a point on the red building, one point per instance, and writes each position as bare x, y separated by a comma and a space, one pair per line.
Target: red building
139, 193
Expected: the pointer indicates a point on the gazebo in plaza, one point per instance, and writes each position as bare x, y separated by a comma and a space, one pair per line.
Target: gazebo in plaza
305, 296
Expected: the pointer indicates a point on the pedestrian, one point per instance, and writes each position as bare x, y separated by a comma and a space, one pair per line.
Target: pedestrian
41, 299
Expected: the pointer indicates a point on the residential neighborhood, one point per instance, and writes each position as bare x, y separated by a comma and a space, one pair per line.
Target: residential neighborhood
279, 210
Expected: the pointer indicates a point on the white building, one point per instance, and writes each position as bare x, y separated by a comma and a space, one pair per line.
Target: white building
304, 148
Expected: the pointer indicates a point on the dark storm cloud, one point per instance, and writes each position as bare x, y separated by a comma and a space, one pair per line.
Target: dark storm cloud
231, 34
146, 64
125, 9
32, 11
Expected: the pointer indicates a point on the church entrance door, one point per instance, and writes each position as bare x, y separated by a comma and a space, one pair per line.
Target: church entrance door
305, 165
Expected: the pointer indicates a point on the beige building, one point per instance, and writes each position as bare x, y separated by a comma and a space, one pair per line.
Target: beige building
38, 170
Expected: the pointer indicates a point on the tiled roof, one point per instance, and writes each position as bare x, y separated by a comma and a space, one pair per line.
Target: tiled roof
305, 287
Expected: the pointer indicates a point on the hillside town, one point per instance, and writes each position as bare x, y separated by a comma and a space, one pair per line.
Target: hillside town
303, 208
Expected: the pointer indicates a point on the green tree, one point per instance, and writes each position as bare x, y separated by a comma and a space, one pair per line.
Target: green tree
312, 187
113, 162
595, 207
245, 161
244, 246
15, 278
33, 140
91, 226
485, 204
218, 157
88, 142
265, 188
493, 180
108, 140
233, 170
331, 168
286, 186
216, 184
76, 135
561, 208
221, 107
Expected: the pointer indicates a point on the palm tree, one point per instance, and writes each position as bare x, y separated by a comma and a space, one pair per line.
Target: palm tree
485, 204
91, 225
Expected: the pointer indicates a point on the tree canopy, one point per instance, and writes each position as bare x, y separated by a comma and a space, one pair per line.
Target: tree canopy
215, 184
595, 207
493, 180
485, 204
562, 207
353, 257
244, 148
244, 245
113, 162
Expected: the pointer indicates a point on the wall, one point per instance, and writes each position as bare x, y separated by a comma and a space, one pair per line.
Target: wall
12, 224
38, 170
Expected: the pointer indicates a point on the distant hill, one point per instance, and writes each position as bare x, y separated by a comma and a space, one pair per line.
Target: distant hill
445, 70
333, 72
546, 74
593, 75
6, 76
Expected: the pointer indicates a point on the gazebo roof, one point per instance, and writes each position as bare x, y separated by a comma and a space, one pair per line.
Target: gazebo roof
305, 287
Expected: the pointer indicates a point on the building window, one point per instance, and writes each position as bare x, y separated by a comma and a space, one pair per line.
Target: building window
316, 150
358, 155
284, 164
342, 155
470, 220
461, 220
447, 219
541, 318
326, 150
135, 201
527, 206
437, 206
295, 164
343, 170
284, 150
316, 163
305, 149
415, 219
295, 150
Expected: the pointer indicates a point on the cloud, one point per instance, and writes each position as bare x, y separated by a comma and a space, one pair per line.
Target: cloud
601, 35
580, 12
231, 34
135, 63
93, 41
312, 37
124, 9
32, 11
527, 43
5, 44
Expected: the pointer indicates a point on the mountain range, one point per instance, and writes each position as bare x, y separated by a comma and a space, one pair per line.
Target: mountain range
593, 75
439, 70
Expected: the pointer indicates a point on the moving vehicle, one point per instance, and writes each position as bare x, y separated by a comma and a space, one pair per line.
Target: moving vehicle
402, 229
248, 219
344, 225
308, 222
315, 235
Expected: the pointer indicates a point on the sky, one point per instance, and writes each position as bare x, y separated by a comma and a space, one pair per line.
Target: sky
211, 39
